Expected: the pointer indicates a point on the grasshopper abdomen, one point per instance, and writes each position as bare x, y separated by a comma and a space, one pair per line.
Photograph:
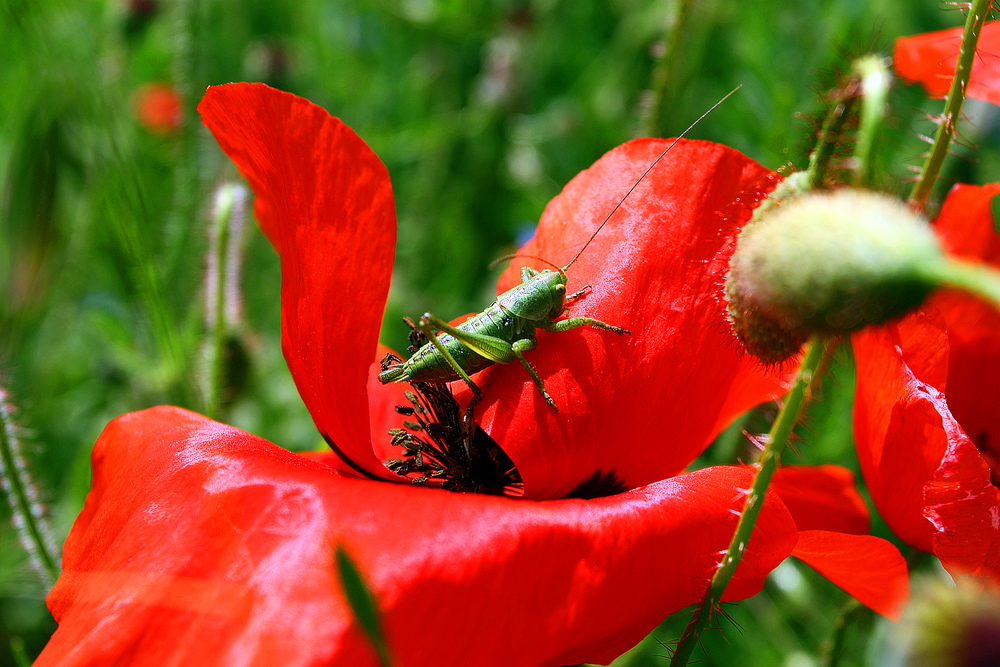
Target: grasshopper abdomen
428, 365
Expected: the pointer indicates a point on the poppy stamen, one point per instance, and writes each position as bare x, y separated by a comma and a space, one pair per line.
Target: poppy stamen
443, 446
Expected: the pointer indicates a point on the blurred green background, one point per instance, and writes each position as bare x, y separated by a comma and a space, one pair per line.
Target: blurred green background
482, 110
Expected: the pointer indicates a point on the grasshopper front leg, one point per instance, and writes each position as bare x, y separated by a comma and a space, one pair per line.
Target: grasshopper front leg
526, 345
574, 322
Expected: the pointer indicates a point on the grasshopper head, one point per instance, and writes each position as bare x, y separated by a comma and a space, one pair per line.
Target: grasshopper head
541, 295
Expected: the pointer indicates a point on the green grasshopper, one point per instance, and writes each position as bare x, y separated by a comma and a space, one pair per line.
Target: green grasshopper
500, 334
506, 329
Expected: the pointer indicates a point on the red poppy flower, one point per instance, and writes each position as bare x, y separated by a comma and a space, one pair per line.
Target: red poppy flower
927, 421
930, 60
159, 108
199, 542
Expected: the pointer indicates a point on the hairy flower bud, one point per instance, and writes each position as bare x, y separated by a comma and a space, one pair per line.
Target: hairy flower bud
826, 262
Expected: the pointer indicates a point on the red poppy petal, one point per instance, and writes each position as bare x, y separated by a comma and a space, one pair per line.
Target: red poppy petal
964, 507
966, 226
927, 478
822, 497
324, 201
641, 406
930, 60
967, 229
202, 544
897, 423
382, 402
868, 568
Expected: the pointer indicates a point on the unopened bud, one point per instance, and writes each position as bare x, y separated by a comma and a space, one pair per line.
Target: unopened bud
948, 626
826, 262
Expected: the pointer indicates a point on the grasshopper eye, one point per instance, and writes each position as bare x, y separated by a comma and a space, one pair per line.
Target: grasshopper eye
560, 288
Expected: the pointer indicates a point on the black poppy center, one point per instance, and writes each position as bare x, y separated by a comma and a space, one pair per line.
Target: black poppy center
443, 446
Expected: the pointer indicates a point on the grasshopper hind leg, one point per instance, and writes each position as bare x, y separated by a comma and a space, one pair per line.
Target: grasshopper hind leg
426, 326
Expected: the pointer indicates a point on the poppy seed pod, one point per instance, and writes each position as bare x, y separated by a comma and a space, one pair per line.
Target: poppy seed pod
826, 262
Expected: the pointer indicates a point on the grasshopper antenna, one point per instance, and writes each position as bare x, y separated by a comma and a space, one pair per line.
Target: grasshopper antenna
496, 262
648, 169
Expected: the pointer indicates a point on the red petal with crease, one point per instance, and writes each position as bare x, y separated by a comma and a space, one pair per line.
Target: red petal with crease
964, 502
324, 201
897, 419
822, 497
964, 507
930, 482
639, 406
869, 568
967, 229
930, 60
202, 544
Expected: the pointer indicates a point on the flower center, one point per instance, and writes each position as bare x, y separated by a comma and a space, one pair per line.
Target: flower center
443, 446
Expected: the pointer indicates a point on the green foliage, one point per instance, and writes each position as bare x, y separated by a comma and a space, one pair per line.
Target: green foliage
481, 110
361, 603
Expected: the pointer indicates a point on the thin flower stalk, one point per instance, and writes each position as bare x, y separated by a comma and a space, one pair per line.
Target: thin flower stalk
815, 359
875, 84
976, 278
953, 107
23, 501
833, 128
853, 611
222, 286
665, 73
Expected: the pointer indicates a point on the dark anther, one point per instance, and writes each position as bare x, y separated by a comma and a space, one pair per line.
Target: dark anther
445, 447
598, 485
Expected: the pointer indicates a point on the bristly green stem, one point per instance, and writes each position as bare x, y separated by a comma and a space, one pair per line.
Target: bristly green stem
818, 353
26, 509
953, 107
833, 127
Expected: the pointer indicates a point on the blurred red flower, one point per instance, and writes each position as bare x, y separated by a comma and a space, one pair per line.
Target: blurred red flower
159, 108
202, 543
927, 408
930, 59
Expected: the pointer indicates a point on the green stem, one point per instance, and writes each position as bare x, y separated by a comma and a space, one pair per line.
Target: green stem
225, 203
833, 127
875, 80
852, 612
666, 68
781, 431
953, 107
977, 279
18, 493
20, 655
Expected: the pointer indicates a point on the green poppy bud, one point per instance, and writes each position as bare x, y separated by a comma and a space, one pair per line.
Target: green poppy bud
826, 262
